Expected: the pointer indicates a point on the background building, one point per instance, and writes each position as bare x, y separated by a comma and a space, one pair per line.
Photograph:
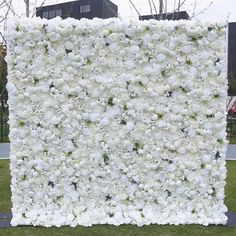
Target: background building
79, 9
180, 15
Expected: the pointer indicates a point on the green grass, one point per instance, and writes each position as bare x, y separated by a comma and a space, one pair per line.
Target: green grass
5, 192
126, 230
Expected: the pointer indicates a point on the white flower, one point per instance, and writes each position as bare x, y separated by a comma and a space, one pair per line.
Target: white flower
18, 49
11, 89
84, 52
69, 45
195, 108
206, 158
212, 35
134, 49
186, 49
105, 121
161, 57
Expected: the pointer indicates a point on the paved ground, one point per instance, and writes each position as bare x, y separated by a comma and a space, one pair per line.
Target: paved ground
5, 150
231, 152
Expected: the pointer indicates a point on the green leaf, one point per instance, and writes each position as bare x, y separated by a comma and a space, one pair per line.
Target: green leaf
24, 177
183, 89
214, 192
147, 28
188, 62
123, 122
50, 183
88, 122
46, 48
169, 93
111, 214
21, 123
106, 159
137, 146
160, 116
89, 61
168, 193
195, 38
141, 84
210, 28
203, 165
110, 101
193, 116
210, 116
163, 73
45, 151
221, 141
68, 51
217, 156
36, 80
108, 197
69, 153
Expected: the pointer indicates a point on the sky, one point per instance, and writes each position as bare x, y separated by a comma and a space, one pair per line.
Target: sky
219, 9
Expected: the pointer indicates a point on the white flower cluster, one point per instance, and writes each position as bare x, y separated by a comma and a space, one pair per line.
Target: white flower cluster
117, 122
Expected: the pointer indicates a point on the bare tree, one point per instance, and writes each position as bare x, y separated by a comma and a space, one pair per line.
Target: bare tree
27, 10
150, 6
161, 6
194, 14
154, 5
135, 8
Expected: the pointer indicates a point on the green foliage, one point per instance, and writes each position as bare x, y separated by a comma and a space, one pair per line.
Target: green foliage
106, 159
188, 62
196, 38
110, 101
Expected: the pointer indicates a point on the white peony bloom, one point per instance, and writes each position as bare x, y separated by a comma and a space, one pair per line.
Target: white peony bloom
105, 121
134, 49
18, 50
206, 158
161, 57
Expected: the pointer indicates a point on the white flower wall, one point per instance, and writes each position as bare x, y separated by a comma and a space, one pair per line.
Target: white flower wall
117, 123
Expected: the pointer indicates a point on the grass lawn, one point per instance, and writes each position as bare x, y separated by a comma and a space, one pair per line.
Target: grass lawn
126, 230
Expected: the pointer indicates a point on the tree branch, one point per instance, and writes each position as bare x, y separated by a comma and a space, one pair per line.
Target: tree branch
150, 6
154, 5
135, 9
202, 11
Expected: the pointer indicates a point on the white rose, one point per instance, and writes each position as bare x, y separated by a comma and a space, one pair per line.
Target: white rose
161, 57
